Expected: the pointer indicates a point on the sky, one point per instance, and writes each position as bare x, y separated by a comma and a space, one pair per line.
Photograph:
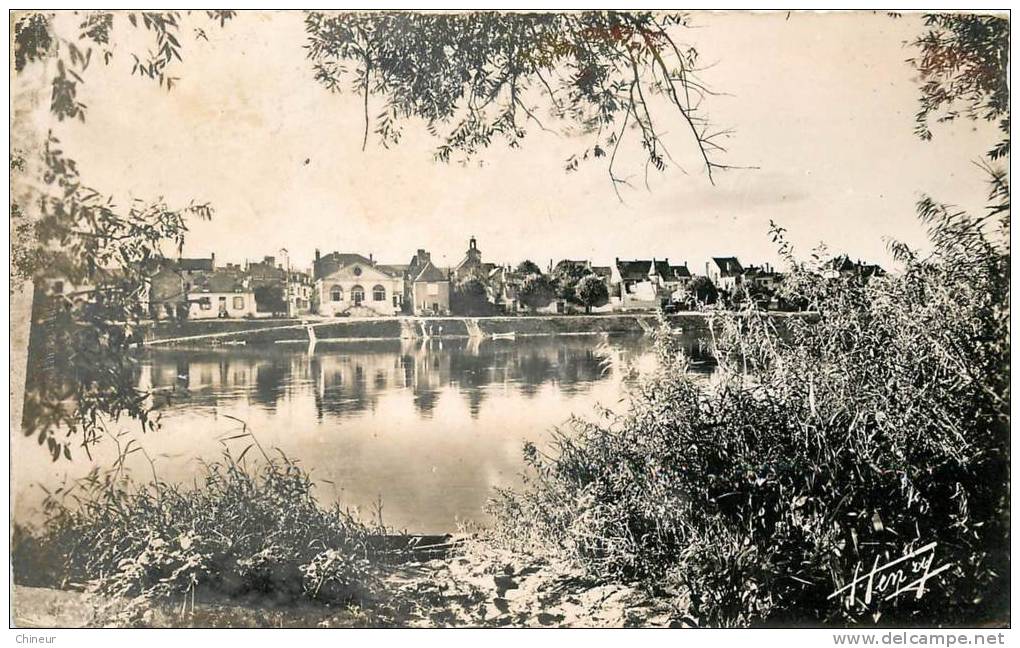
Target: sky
821, 105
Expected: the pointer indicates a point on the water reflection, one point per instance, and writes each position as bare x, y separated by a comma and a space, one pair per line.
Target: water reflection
428, 428
348, 379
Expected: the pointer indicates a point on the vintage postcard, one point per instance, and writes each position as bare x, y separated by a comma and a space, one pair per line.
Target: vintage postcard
511, 319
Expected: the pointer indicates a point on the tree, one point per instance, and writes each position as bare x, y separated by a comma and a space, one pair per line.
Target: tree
80, 344
536, 291
269, 298
470, 297
704, 290
474, 77
528, 267
964, 67
567, 274
592, 291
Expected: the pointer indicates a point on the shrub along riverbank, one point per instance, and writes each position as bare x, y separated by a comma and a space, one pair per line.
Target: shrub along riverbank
249, 546
850, 442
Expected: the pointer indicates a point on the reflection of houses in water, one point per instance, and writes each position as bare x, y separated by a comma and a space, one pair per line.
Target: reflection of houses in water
351, 378
427, 367
349, 382
210, 378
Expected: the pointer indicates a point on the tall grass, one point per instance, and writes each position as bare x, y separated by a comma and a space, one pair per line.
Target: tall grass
243, 529
878, 428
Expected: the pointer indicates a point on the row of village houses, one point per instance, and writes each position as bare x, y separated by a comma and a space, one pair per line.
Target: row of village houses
348, 284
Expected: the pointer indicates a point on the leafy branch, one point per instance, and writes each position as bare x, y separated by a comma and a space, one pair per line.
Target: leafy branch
477, 77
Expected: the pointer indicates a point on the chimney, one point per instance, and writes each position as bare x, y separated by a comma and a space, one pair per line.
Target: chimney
706, 268
370, 259
212, 260
316, 255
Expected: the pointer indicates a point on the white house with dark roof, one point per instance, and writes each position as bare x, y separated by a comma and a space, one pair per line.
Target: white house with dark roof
226, 292
644, 283
725, 272
354, 285
427, 286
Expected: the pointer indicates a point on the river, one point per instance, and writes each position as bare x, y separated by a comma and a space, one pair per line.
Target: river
426, 429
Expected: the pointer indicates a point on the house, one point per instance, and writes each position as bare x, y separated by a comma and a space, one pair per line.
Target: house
675, 278
842, 266
725, 272
603, 272
644, 283
762, 276
352, 284
299, 293
265, 272
428, 287
170, 284
221, 293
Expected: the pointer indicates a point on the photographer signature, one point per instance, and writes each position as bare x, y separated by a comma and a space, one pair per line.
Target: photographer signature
892, 579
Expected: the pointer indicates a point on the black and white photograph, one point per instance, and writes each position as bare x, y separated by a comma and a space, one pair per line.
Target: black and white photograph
525, 318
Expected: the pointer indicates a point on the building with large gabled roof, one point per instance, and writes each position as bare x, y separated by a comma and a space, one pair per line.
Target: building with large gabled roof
348, 284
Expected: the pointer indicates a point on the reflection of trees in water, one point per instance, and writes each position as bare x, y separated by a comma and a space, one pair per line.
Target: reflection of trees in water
350, 379
425, 401
269, 379
341, 385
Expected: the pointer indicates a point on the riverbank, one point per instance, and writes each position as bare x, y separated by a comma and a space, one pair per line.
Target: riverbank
477, 586
284, 331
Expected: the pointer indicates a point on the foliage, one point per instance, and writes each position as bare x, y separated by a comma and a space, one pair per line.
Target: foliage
879, 428
592, 291
474, 77
566, 275
244, 528
964, 71
34, 39
704, 290
81, 372
269, 298
528, 267
536, 291
470, 297
80, 345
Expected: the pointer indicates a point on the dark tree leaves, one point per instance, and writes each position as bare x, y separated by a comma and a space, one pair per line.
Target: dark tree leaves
481, 77
964, 72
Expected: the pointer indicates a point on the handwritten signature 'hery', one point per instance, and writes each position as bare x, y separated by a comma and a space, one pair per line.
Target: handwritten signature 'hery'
892, 579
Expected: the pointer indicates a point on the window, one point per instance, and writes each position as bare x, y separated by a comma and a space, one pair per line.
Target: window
205, 304
336, 293
58, 287
357, 295
378, 294
238, 303
433, 289
396, 299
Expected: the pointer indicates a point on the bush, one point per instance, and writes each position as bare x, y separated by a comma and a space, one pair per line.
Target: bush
880, 427
243, 529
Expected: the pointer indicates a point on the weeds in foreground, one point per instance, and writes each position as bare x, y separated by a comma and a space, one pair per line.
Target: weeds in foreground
846, 442
245, 529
